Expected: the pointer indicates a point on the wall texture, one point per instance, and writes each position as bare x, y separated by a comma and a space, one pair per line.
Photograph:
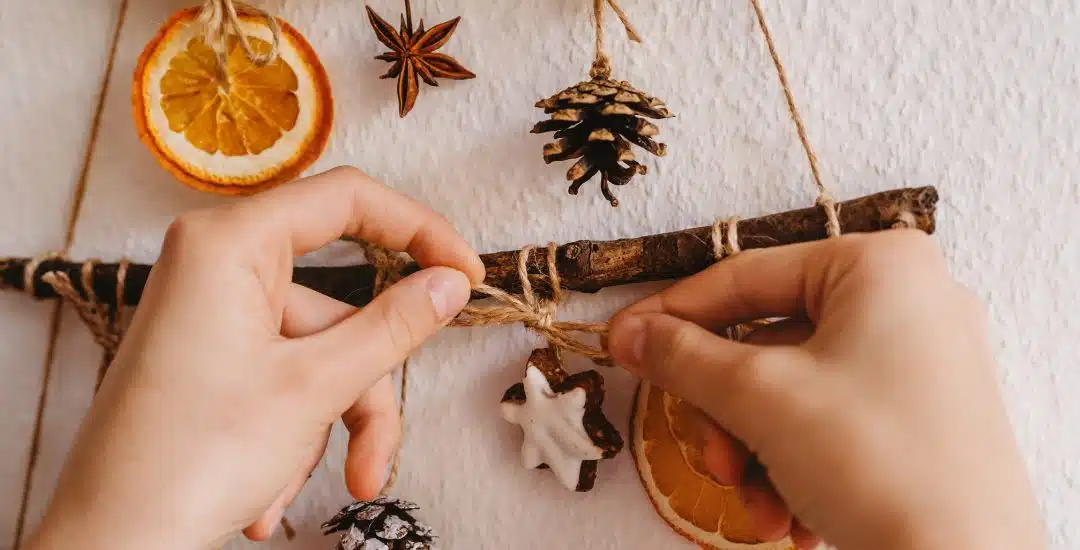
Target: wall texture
976, 97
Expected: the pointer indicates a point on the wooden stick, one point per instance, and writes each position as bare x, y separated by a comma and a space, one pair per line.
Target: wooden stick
584, 266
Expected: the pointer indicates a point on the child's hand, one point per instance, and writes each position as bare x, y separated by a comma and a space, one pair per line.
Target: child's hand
221, 399
874, 410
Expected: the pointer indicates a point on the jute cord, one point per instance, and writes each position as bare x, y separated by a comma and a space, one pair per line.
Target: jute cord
725, 238
54, 323
100, 317
221, 20
825, 199
538, 315
389, 269
601, 67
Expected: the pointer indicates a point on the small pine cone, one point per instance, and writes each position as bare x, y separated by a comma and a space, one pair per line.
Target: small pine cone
382, 524
596, 121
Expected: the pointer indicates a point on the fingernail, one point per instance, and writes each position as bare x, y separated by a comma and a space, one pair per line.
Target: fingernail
449, 291
628, 343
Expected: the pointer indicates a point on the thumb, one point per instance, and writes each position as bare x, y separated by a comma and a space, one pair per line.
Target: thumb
348, 358
741, 386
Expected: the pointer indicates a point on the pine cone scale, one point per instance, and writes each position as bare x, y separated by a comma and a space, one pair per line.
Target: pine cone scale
596, 122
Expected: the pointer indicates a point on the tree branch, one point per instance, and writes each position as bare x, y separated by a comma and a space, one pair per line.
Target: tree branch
584, 266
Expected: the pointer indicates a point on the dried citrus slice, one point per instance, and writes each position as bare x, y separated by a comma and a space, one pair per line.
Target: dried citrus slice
667, 451
237, 129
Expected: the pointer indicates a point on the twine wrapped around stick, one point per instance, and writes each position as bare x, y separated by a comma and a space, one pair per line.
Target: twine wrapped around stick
538, 315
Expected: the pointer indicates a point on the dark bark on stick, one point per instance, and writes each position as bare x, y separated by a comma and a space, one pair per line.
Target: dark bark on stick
584, 266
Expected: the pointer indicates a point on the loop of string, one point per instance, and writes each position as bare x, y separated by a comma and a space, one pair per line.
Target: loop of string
825, 199
221, 19
538, 315
601, 66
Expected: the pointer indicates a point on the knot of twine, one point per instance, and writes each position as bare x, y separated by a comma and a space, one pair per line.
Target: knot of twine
538, 315
601, 66
104, 320
220, 20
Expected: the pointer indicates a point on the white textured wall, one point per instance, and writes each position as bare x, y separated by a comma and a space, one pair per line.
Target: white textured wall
978, 98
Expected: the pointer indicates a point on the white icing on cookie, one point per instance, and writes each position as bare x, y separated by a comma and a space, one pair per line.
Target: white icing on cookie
554, 428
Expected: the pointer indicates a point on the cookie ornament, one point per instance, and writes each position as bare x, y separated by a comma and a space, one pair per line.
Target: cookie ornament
562, 419
231, 100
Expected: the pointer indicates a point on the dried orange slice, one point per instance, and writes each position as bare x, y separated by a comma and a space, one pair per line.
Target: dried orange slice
667, 452
237, 129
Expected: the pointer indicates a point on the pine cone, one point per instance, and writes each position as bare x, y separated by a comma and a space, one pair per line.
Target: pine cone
596, 121
382, 524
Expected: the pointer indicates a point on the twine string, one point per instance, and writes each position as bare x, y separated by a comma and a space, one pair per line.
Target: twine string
825, 198
98, 315
389, 269
601, 67
538, 315
725, 237
220, 20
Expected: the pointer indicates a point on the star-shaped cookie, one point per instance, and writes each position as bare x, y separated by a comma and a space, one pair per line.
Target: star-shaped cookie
563, 421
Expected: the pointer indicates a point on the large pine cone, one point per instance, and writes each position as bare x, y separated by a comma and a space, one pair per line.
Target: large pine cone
382, 524
596, 121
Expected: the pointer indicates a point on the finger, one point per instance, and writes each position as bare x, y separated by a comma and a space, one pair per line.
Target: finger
740, 385
312, 212
352, 355
768, 513
374, 424
725, 457
802, 538
264, 527
308, 312
753, 285
787, 332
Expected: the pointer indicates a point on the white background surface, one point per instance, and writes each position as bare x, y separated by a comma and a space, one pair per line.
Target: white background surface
978, 98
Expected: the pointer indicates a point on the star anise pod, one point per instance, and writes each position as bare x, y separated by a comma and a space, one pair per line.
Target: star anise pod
413, 53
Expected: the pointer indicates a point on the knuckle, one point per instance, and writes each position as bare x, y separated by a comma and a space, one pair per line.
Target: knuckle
675, 345
187, 229
401, 332
763, 373
347, 171
201, 230
894, 251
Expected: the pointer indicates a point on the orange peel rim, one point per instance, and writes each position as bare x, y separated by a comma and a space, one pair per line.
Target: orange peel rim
314, 147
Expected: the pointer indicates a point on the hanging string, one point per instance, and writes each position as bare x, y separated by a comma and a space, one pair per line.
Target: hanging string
825, 199
601, 66
389, 269
221, 20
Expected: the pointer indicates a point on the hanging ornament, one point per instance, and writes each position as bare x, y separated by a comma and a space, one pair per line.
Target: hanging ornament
385, 523
382, 524
597, 120
231, 100
414, 56
563, 421
667, 451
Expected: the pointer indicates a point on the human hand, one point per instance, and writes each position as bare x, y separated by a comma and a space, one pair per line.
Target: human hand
221, 398
873, 407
